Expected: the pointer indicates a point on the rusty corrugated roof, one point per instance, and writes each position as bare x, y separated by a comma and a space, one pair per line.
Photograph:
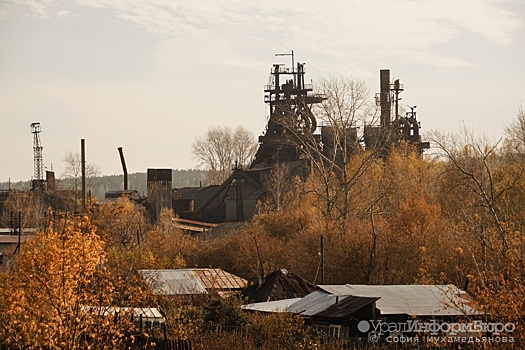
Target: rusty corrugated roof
220, 279
192, 281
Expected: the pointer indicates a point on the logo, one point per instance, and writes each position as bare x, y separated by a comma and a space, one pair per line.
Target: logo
363, 326
437, 331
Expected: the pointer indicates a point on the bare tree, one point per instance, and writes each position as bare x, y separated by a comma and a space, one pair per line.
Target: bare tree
475, 175
74, 169
515, 132
280, 186
31, 205
347, 103
73, 172
221, 148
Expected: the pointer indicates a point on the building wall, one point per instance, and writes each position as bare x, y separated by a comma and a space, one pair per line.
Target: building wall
159, 191
248, 207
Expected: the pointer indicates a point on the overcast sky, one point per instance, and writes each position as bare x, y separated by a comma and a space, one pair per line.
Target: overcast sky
151, 76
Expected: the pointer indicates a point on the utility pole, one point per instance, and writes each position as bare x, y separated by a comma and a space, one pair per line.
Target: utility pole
261, 276
322, 259
83, 162
18, 231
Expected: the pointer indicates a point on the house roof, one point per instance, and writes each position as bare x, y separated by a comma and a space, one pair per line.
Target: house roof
322, 303
220, 279
148, 314
271, 306
192, 281
347, 306
279, 285
413, 300
192, 225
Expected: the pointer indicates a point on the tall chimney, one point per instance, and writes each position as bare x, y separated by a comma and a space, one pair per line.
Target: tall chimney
83, 162
384, 98
124, 168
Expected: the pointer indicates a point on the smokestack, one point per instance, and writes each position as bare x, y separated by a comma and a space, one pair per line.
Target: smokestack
83, 162
124, 168
384, 98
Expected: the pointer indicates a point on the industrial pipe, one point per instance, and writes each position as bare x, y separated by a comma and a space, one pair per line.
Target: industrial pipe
124, 169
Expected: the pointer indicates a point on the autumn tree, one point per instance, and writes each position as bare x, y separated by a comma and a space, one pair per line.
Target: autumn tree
482, 197
335, 167
222, 148
474, 171
121, 222
59, 295
169, 246
515, 133
280, 187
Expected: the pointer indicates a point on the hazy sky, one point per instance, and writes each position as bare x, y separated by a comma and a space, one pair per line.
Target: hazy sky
150, 76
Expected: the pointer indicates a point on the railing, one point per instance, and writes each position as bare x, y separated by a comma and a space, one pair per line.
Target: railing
306, 87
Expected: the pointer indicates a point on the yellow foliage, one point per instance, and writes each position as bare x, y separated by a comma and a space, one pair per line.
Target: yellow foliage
55, 295
121, 222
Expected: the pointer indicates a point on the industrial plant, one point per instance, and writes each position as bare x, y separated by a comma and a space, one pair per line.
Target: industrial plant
293, 137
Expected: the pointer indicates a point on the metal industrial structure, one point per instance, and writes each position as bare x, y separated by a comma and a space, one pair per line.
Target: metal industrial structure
291, 128
291, 132
38, 182
124, 168
290, 119
132, 195
292, 137
289, 102
392, 131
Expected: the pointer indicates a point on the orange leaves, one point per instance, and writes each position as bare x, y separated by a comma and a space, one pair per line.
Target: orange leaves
55, 281
418, 219
121, 222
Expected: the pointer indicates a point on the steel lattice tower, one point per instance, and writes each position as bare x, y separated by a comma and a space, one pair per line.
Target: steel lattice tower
38, 177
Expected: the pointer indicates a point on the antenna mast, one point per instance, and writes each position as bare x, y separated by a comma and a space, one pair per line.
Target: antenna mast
38, 177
